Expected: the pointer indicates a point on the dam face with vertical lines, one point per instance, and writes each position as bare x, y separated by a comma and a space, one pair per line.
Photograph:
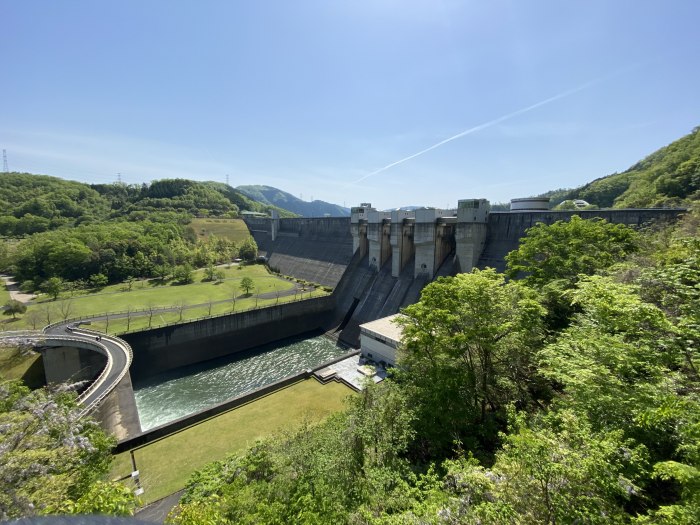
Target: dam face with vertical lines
378, 262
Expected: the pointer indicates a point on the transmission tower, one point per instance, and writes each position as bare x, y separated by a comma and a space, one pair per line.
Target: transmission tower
5, 169
227, 180
119, 178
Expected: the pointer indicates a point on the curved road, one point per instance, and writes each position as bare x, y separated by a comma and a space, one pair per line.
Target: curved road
117, 351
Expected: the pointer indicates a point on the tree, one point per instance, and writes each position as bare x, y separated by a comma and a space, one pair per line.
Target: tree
33, 317
180, 308
183, 274
556, 470
209, 272
66, 308
564, 250
467, 351
162, 271
53, 287
50, 455
248, 249
247, 285
98, 280
48, 311
14, 307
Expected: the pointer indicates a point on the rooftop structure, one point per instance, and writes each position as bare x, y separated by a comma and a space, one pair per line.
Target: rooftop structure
379, 339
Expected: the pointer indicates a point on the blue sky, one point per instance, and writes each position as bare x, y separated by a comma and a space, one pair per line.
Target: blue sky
318, 97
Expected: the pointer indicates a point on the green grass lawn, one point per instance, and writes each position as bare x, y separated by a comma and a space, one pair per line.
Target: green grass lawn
4, 294
230, 229
151, 294
166, 465
140, 320
25, 365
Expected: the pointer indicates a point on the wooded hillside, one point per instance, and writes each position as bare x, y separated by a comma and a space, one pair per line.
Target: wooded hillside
669, 177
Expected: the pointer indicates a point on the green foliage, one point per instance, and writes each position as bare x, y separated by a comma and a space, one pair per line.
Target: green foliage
53, 286
248, 250
183, 274
467, 348
555, 470
247, 284
102, 497
566, 249
50, 456
98, 280
35, 203
13, 307
669, 177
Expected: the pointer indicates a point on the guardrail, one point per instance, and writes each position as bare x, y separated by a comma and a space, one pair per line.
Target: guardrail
169, 309
126, 348
91, 338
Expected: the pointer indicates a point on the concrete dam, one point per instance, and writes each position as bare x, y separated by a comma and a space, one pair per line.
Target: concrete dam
378, 262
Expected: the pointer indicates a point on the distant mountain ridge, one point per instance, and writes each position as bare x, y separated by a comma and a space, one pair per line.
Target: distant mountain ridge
276, 197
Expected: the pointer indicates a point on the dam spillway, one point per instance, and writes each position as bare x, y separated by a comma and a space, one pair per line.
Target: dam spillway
177, 393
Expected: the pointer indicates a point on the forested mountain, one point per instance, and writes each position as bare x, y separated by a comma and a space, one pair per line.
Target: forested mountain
37, 203
669, 177
211, 199
282, 199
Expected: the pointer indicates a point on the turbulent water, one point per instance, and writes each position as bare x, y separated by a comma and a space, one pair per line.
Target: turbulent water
177, 393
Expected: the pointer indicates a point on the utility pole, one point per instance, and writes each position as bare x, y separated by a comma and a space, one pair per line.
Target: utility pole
5, 169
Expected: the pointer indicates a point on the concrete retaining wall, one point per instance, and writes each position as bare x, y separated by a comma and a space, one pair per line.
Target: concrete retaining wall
174, 346
184, 422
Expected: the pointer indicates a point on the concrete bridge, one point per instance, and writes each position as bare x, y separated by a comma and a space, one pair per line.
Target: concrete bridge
76, 354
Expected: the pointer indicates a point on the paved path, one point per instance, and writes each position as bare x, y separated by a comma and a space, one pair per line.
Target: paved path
15, 293
157, 511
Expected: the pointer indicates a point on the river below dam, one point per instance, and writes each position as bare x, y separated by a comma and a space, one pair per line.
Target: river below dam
177, 393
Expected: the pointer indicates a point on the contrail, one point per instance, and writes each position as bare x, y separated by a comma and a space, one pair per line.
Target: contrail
485, 125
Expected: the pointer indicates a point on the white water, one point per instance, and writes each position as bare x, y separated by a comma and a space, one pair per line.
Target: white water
178, 393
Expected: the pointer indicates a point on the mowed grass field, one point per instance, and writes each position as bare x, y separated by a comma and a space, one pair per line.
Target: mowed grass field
4, 294
166, 465
21, 364
152, 295
230, 229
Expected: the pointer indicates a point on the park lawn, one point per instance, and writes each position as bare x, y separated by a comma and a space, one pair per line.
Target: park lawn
149, 294
4, 294
230, 229
166, 465
18, 364
140, 320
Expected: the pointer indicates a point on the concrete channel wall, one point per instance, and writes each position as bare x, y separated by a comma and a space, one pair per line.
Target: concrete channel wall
182, 423
174, 346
